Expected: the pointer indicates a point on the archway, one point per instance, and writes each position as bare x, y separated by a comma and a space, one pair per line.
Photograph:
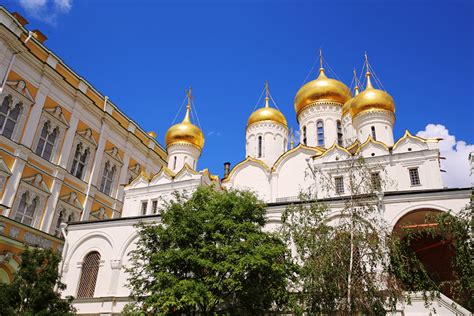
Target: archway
433, 250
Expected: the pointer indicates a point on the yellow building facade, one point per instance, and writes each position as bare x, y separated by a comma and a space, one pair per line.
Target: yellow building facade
66, 151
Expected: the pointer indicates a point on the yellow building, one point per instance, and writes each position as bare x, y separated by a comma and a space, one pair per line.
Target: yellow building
66, 151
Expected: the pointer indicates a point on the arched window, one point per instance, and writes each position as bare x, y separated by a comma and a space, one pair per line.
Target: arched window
79, 162
8, 117
339, 132
90, 270
46, 141
320, 131
26, 210
259, 150
107, 178
304, 135
374, 135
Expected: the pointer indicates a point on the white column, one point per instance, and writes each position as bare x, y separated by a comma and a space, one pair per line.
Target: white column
68, 141
94, 172
12, 184
51, 205
34, 117
115, 265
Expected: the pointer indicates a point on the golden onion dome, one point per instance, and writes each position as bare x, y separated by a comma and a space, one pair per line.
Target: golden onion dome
372, 99
347, 106
185, 132
267, 114
321, 89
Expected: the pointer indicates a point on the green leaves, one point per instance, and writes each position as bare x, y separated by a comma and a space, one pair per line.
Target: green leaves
209, 254
32, 291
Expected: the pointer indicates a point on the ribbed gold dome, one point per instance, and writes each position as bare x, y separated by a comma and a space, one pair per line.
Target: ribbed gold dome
321, 89
185, 132
372, 99
267, 114
347, 106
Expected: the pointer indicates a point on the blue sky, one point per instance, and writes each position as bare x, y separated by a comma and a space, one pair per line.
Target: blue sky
144, 54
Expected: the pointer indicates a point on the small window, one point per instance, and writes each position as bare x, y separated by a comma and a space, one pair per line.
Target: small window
374, 135
154, 206
414, 177
320, 131
144, 207
376, 181
8, 117
88, 279
259, 149
79, 162
46, 141
26, 210
175, 160
339, 184
339, 132
304, 135
107, 178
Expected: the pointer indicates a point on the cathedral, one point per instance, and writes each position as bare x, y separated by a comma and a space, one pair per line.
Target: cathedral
80, 156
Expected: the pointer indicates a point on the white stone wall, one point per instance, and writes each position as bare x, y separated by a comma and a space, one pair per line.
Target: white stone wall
329, 113
274, 141
381, 120
180, 154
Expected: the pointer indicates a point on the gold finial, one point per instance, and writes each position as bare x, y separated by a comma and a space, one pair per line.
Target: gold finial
267, 93
356, 88
188, 106
367, 74
321, 68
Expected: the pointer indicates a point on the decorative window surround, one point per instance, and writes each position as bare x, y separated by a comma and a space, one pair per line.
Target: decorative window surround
35, 188
88, 142
18, 94
112, 160
71, 209
133, 172
99, 214
56, 120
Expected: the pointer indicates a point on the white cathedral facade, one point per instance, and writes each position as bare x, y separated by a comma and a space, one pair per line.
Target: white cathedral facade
334, 125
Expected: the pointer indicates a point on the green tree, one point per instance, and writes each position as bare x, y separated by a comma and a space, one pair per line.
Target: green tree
343, 246
209, 254
453, 231
36, 286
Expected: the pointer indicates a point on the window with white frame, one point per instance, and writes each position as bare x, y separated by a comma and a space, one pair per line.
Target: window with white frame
320, 132
339, 185
79, 161
26, 209
414, 176
339, 132
46, 141
144, 207
374, 134
376, 181
107, 178
154, 206
9, 117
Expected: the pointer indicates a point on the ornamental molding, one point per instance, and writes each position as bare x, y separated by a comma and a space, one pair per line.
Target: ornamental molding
72, 200
320, 106
86, 135
114, 154
56, 114
20, 87
369, 115
267, 124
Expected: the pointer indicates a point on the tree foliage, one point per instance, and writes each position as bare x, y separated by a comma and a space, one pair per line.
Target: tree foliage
209, 254
36, 286
343, 246
453, 231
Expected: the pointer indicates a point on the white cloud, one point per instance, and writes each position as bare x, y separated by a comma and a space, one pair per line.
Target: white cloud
456, 153
46, 10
